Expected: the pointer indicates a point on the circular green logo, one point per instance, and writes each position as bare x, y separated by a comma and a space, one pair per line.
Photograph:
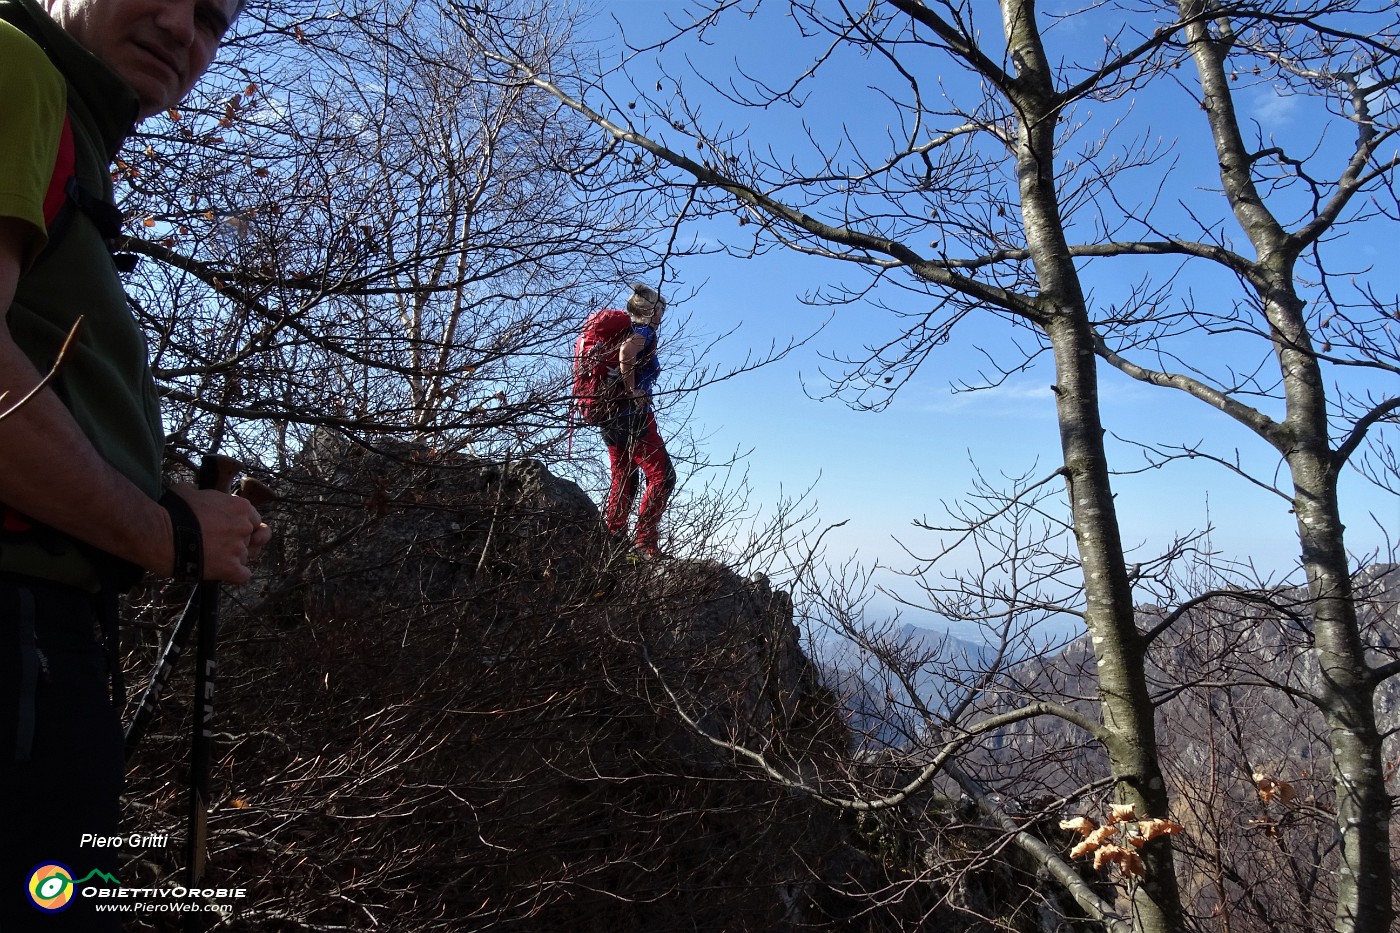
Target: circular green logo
51, 887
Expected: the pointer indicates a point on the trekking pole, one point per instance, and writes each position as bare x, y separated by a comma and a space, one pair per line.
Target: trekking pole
215, 472
146, 708
258, 494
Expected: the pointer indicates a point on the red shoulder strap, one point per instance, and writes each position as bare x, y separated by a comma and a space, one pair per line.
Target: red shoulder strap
63, 166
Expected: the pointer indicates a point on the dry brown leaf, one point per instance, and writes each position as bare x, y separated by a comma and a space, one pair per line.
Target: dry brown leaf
1121, 813
1128, 861
1079, 824
1151, 829
1270, 789
1107, 855
1084, 848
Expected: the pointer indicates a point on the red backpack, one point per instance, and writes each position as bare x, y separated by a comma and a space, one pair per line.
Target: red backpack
597, 383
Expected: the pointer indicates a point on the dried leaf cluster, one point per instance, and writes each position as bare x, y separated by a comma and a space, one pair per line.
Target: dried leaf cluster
1271, 789
1122, 823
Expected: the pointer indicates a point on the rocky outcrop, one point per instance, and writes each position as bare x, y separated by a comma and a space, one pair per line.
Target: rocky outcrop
452, 704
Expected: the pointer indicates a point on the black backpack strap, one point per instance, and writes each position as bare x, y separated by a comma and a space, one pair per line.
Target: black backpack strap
105, 215
66, 194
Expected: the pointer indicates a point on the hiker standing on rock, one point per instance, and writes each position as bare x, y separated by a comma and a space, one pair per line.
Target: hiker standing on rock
84, 513
634, 443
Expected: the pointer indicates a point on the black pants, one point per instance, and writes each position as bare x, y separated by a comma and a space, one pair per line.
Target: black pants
61, 764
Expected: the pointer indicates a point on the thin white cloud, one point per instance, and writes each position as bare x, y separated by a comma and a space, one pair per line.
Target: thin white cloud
1273, 109
1024, 396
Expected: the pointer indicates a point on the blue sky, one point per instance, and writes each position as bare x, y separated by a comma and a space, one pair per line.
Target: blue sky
884, 470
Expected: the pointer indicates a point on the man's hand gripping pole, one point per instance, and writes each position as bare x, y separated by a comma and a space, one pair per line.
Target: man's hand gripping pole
218, 473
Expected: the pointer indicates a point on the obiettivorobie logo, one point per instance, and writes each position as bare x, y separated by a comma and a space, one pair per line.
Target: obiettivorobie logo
52, 886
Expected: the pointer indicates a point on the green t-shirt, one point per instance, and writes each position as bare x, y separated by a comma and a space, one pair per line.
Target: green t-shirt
31, 119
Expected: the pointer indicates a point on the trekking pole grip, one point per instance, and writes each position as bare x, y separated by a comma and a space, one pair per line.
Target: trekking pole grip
214, 472
255, 491
217, 472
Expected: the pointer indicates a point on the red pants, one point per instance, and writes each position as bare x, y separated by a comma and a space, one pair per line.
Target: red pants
635, 445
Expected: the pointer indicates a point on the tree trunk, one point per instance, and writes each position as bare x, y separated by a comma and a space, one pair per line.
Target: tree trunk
1128, 711
1346, 693
1118, 647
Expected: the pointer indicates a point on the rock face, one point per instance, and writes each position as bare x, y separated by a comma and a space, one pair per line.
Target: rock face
454, 706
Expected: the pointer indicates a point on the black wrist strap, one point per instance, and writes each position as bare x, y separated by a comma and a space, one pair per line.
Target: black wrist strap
189, 542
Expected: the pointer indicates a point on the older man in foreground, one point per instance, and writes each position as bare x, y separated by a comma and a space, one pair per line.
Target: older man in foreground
84, 512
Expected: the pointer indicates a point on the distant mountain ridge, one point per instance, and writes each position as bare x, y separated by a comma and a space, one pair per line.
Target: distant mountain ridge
878, 705
1224, 641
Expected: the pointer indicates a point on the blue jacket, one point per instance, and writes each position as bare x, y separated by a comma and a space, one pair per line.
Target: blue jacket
648, 366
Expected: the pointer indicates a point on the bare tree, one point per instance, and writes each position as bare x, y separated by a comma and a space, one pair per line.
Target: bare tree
350, 227
1294, 296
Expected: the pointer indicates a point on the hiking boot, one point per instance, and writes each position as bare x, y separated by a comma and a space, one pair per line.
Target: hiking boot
647, 552
615, 549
